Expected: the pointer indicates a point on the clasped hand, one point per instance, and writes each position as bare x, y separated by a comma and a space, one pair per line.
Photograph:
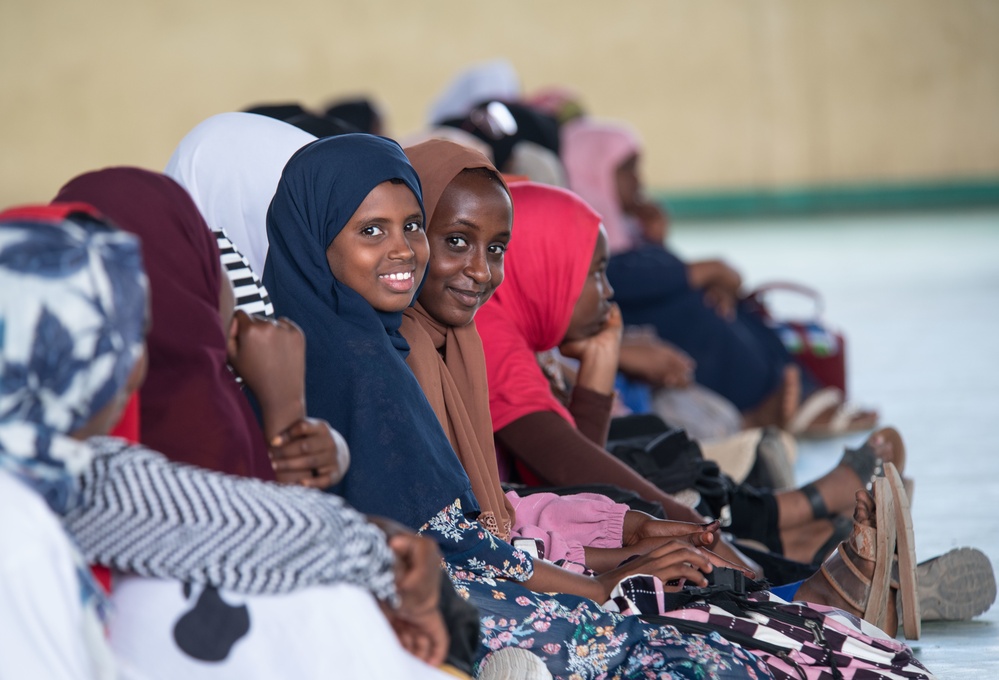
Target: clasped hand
269, 355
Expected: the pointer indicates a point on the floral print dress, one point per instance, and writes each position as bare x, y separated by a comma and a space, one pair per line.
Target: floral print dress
575, 638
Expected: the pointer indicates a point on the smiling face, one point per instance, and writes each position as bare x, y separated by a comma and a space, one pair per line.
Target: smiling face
382, 251
468, 235
593, 306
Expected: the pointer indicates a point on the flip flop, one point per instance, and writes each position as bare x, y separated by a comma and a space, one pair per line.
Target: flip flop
846, 418
906, 548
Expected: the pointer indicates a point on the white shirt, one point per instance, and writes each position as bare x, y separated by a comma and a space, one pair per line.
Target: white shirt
45, 632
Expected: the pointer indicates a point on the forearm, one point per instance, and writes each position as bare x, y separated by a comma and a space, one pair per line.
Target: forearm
560, 455
592, 413
278, 417
712, 273
548, 578
598, 369
141, 513
605, 559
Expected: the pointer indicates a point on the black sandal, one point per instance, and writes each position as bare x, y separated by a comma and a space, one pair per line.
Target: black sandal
865, 463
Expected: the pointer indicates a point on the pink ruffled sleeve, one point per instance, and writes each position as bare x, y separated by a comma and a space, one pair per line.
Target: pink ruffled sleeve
568, 523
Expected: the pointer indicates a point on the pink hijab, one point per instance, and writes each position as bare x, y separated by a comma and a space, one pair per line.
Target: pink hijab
592, 151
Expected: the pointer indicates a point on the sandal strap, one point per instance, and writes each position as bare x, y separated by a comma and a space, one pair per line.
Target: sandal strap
821, 401
819, 508
845, 577
865, 463
854, 592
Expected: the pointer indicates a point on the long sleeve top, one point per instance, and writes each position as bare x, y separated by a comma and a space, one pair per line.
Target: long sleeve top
142, 513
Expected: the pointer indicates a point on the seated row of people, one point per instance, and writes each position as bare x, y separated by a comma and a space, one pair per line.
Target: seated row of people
352, 233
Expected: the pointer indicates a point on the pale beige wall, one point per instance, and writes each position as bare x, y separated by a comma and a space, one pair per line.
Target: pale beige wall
727, 93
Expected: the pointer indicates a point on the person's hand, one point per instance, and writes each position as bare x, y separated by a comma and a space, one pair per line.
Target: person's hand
722, 300
673, 561
653, 221
640, 526
310, 453
647, 358
737, 560
270, 358
417, 621
720, 283
607, 341
598, 354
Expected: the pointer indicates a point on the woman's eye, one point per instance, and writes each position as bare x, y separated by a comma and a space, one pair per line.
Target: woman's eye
457, 242
414, 226
497, 249
372, 230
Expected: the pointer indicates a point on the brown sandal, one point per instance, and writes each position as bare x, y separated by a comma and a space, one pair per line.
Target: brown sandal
906, 553
867, 594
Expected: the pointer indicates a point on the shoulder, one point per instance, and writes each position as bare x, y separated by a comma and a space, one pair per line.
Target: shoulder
27, 526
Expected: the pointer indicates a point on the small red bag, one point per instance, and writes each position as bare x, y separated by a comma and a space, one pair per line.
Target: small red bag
814, 344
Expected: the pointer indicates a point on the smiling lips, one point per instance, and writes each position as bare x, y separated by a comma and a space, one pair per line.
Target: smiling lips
469, 298
401, 282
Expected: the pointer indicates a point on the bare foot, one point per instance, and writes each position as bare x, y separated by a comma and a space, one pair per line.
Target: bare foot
838, 487
790, 394
780, 406
818, 590
802, 542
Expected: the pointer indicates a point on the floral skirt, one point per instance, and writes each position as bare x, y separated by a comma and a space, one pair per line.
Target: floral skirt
574, 637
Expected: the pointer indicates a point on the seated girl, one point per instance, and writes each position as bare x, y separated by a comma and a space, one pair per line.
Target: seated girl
696, 306
556, 294
469, 228
73, 310
347, 253
192, 408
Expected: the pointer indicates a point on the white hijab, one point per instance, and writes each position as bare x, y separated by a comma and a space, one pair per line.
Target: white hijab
495, 79
231, 164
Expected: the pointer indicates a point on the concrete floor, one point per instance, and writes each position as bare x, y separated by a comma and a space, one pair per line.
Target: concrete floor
918, 296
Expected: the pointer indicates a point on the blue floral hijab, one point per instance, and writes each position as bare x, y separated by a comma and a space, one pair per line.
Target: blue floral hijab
72, 322
402, 465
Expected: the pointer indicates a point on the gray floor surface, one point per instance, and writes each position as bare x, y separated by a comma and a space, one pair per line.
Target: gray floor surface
918, 296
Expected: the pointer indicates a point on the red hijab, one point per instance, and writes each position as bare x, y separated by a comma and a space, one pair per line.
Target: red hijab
546, 265
191, 408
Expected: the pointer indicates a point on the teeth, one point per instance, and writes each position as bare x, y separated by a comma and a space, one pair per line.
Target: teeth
404, 276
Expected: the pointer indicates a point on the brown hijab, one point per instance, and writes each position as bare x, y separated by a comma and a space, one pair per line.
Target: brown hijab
448, 361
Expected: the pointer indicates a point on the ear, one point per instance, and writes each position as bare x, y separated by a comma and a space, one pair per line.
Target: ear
232, 337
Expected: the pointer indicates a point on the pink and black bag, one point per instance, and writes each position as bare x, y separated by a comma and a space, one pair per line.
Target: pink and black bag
797, 640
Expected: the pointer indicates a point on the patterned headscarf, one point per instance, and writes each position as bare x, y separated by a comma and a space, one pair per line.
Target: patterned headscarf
72, 321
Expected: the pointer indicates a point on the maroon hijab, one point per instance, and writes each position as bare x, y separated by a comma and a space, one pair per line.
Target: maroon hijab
191, 407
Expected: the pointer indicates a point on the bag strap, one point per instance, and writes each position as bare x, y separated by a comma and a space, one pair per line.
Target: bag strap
761, 291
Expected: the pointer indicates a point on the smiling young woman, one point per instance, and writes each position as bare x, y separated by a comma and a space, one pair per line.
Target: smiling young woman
472, 230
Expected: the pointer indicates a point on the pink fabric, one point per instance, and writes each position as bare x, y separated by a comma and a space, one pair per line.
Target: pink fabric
546, 265
592, 152
568, 523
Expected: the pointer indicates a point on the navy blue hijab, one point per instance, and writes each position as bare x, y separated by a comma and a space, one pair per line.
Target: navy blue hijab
402, 465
